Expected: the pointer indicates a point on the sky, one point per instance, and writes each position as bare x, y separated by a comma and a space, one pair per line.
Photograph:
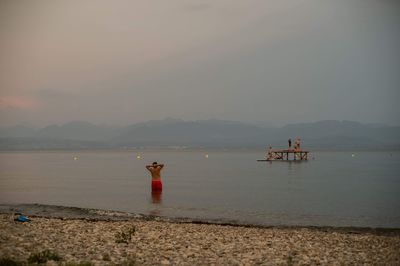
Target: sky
256, 61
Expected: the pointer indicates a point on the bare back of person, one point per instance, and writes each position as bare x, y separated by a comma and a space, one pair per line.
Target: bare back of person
155, 170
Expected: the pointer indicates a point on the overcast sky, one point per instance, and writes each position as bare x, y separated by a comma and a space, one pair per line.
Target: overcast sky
275, 61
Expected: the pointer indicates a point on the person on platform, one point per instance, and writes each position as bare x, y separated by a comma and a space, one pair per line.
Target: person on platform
269, 154
290, 143
297, 145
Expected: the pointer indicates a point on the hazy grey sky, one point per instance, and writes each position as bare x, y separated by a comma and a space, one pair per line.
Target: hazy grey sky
277, 61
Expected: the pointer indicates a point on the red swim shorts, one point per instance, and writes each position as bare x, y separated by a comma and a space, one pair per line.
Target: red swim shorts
156, 185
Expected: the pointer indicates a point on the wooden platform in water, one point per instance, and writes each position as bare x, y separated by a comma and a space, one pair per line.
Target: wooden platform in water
289, 161
287, 155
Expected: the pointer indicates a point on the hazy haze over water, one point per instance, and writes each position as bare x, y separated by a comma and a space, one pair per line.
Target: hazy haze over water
121, 62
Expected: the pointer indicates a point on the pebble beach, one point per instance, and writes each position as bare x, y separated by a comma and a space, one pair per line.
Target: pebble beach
152, 242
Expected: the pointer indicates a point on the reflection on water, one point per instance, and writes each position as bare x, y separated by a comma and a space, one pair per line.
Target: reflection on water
156, 196
156, 200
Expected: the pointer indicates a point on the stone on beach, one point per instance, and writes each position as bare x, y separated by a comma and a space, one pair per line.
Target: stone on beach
169, 243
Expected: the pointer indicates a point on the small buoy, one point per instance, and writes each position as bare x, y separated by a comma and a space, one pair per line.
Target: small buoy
75, 158
206, 156
353, 155
138, 157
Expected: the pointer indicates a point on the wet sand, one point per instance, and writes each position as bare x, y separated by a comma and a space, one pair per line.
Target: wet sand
164, 242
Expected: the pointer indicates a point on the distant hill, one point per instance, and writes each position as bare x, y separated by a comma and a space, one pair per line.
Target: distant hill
17, 131
330, 134
192, 133
77, 131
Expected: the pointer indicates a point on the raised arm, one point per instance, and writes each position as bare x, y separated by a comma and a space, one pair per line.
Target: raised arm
161, 166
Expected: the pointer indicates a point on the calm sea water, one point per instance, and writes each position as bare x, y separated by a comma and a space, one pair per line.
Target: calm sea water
334, 189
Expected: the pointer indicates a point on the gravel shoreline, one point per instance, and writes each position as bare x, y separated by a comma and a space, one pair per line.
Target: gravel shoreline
163, 243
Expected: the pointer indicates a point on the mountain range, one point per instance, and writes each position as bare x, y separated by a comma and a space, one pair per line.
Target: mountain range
175, 133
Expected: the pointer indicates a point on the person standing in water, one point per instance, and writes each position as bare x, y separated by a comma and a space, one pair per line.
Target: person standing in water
155, 169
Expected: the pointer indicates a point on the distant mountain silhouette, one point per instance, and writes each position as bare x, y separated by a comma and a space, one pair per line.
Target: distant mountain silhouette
191, 133
77, 131
329, 134
17, 131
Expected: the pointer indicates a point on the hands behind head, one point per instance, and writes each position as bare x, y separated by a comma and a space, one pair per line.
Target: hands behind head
154, 165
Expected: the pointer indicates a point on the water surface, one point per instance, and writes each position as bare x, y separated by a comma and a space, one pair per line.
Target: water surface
334, 189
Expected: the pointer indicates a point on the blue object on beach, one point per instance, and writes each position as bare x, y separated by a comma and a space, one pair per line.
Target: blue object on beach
22, 219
